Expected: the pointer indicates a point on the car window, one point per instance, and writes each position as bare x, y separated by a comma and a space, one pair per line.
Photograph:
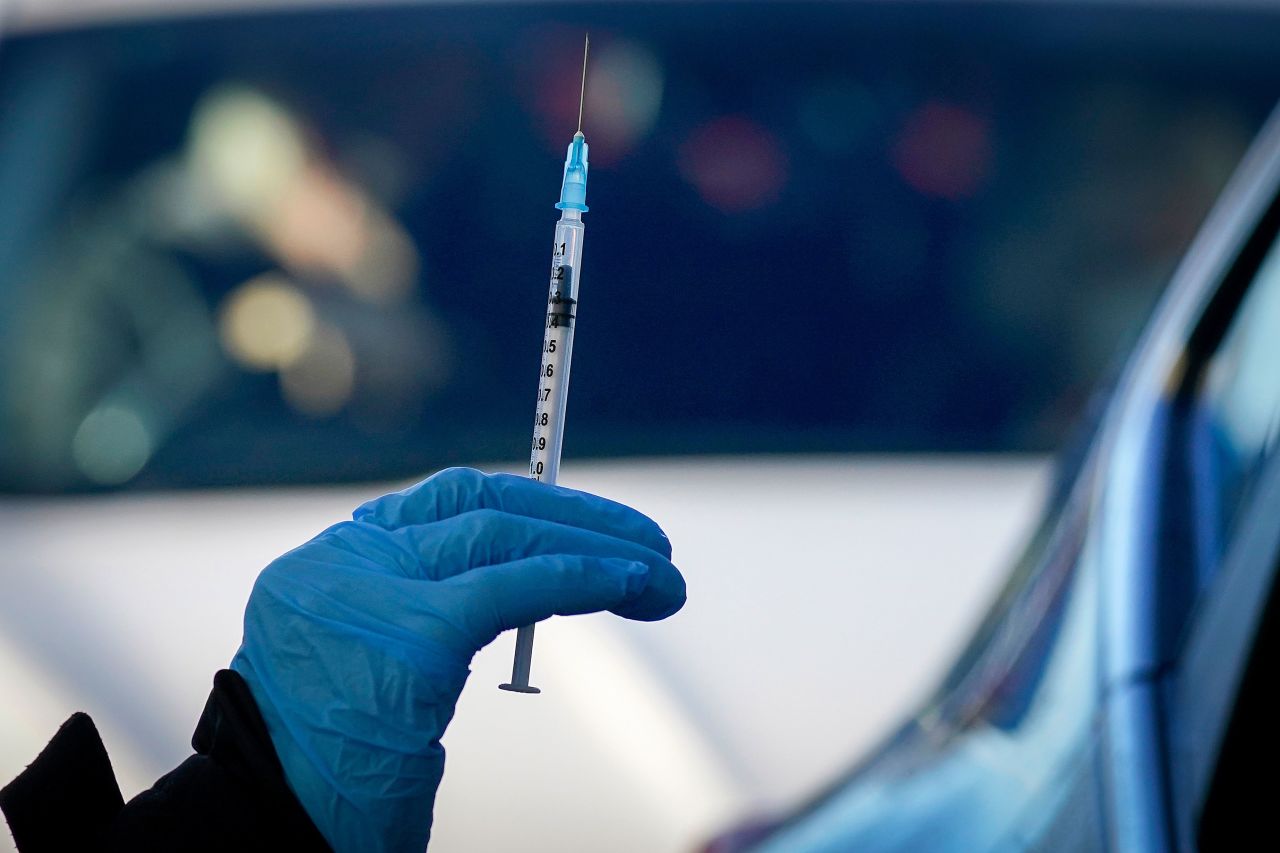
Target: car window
1219, 708
1237, 415
310, 247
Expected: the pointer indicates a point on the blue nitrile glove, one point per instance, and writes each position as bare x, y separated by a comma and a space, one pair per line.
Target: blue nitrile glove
356, 645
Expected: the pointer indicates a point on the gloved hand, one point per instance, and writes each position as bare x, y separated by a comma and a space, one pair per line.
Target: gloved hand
356, 645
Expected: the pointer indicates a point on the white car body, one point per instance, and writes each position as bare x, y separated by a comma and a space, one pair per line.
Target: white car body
826, 596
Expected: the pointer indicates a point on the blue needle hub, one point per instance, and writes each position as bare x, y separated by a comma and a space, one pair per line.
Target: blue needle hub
573, 191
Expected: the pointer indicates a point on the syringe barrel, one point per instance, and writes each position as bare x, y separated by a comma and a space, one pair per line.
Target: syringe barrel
557, 349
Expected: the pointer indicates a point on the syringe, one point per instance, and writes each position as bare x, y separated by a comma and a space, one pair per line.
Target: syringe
557, 345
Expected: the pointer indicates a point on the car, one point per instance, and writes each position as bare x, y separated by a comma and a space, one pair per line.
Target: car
851, 271
1117, 696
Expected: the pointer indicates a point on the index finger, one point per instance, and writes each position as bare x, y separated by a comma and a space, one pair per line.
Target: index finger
454, 491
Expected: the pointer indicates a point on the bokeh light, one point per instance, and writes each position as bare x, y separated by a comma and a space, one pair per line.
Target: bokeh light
386, 270
624, 96
266, 323
735, 164
320, 382
112, 444
943, 150
245, 150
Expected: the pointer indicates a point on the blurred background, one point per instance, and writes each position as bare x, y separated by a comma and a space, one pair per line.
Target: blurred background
853, 271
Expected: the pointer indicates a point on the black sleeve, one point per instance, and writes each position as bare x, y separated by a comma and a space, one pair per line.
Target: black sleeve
230, 795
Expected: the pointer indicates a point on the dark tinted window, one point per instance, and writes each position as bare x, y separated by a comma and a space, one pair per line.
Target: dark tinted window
312, 246
1236, 422
1236, 806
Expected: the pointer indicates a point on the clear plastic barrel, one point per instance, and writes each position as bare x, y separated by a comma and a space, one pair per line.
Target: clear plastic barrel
557, 349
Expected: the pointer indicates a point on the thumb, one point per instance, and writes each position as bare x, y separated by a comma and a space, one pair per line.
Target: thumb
508, 595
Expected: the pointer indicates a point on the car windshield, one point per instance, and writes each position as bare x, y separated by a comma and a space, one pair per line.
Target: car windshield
310, 247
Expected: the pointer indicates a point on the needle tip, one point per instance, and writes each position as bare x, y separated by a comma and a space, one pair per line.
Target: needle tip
582, 93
